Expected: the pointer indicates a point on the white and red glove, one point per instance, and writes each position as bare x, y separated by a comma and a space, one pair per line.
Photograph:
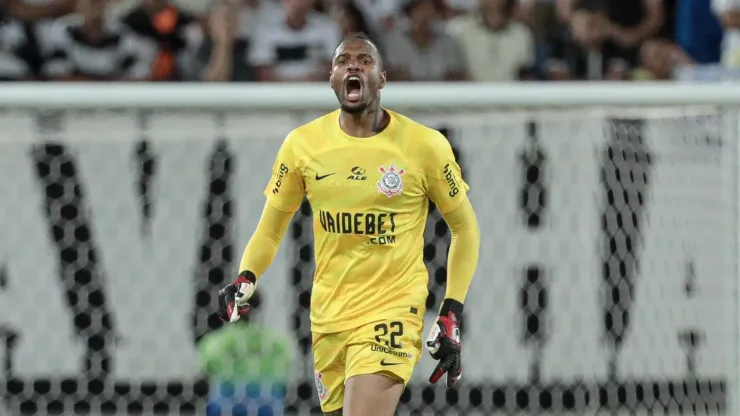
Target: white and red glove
233, 300
443, 343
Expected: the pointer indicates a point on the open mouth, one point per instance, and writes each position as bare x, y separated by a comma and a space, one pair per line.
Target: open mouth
353, 88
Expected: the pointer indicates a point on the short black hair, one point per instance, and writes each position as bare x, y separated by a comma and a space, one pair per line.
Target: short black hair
357, 36
364, 37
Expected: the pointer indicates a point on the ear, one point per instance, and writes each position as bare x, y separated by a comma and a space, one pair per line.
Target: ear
383, 79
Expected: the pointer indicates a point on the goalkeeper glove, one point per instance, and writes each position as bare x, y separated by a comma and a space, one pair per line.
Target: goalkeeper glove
443, 343
233, 300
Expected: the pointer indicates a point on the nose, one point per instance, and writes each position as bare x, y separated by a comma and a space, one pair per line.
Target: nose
353, 66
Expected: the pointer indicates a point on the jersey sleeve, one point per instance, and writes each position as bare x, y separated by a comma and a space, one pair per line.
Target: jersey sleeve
445, 185
286, 190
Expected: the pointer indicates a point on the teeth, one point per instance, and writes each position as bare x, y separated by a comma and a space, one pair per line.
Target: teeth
353, 78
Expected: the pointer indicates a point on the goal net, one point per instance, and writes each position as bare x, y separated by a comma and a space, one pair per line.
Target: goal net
607, 282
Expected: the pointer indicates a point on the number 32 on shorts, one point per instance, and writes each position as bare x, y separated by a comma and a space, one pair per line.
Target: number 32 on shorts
389, 334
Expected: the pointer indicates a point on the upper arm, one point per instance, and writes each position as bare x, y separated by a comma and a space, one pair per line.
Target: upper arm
445, 185
286, 188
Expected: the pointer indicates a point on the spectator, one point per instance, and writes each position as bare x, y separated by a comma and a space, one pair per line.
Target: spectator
628, 22
38, 18
729, 15
458, 7
607, 35
541, 17
634, 21
17, 53
589, 53
350, 19
175, 34
421, 51
495, 47
660, 59
699, 32
379, 14
87, 47
295, 44
224, 56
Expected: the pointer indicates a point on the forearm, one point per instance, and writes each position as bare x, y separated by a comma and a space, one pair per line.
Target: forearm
220, 65
265, 242
463, 255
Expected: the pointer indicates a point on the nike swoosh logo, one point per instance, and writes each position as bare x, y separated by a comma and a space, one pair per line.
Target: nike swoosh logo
385, 364
318, 178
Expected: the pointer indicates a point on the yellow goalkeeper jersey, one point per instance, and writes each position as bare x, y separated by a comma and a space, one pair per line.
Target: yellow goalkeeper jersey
370, 199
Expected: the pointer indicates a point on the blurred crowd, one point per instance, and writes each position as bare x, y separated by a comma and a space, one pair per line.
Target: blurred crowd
421, 40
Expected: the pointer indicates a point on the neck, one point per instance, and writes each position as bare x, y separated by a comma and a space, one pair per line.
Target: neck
365, 124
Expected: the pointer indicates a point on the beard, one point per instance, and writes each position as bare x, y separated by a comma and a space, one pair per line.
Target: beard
357, 108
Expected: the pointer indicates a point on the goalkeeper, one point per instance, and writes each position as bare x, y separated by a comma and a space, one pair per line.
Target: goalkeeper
369, 174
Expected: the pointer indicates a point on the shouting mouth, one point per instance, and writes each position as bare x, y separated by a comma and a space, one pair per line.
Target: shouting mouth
353, 88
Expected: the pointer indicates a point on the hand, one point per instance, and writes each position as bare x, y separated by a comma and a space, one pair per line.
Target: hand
233, 300
443, 344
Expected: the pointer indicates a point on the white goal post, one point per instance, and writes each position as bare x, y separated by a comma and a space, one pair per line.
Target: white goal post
289, 96
608, 282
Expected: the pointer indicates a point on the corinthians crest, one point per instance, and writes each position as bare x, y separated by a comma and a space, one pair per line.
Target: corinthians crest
320, 387
390, 183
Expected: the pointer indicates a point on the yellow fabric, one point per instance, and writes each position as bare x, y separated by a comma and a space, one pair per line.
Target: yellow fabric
370, 199
263, 246
386, 347
464, 248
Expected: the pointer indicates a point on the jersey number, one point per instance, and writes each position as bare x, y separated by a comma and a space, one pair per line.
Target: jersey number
396, 331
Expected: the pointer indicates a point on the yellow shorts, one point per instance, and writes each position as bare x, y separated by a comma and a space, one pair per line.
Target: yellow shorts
391, 347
